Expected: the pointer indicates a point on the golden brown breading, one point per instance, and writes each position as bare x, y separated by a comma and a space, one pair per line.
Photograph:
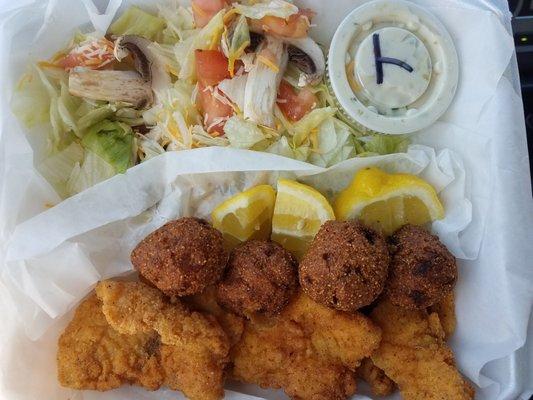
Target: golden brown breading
129, 334
446, 312
309, 350
422, 270
380, 383
206, 302
182, 257
261, 277
194, 348
414, 355
346, 266
92, 355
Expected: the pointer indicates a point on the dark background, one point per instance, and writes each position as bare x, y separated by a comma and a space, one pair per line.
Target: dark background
523, 34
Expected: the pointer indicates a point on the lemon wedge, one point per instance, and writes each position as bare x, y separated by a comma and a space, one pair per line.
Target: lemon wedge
246, 216
388, 201
299, 213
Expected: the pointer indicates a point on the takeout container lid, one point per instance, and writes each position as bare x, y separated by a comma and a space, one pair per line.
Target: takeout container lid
405, 100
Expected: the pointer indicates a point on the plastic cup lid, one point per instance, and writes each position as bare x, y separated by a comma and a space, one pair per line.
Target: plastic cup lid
393, 67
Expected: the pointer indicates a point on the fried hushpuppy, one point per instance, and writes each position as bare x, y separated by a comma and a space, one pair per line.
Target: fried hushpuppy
422, 270
182, 257
346, 266
260, 278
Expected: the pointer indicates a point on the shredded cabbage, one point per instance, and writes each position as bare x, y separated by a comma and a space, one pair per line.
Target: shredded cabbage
138, 22
243, 134
272, 8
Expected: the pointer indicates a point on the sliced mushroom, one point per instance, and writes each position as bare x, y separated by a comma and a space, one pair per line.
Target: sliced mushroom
263, 81
308, 57
126, 86
146, 61
137, 88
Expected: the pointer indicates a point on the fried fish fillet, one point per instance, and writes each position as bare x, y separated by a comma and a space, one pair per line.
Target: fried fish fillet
380, 384
92, 355
206, 302
309, 350
129, 334
194, 348
413, 354
445, 309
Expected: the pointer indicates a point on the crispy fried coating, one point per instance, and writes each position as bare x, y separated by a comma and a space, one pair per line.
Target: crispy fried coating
261, 278
346, 266
182, 257
414, 355
309, 350
128, 334
380, 383
206, 302
92, 355
194, 349
422, 270
445, 309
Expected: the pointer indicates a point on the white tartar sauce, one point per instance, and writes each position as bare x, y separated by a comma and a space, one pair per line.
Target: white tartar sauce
393, 67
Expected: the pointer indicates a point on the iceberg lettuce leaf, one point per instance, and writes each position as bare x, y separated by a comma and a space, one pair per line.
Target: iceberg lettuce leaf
91, 171
58, 167
135, 21
384, 144
243, 134
113, 142
304, 127
272, 8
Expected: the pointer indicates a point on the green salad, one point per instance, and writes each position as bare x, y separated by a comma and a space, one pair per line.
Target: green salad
240, 74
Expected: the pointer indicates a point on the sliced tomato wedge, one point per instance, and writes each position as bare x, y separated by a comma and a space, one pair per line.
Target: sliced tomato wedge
211, 67
215, 111
204, 10
295, 105
297, 26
